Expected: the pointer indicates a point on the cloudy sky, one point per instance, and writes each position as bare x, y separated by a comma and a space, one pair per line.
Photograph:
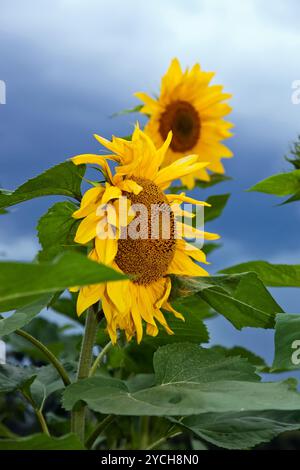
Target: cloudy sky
69, 64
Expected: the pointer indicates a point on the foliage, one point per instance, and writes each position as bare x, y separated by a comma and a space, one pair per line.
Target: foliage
213, 396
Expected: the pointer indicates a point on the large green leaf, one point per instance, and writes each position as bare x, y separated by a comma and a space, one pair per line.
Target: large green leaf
273, 275
42, 442
257, 361
14, 378
22, 316
56, 230
24, 282
38, 382
64, 179
241, 298
47, 382
194, 307
282, 184
189, 363
189, 381
287, 342
241, 430
218, 204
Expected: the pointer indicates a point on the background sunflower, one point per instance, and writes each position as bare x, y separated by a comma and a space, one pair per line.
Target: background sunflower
194, 111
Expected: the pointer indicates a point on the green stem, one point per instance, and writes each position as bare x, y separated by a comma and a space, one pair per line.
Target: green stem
144, 432
162, 440
98, 430
50, 356
85, 360
42, 421
38, 413
99, 358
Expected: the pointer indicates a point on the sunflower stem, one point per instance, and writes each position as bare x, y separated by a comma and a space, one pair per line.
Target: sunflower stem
38, 413
85, 361
163, 440
98, 430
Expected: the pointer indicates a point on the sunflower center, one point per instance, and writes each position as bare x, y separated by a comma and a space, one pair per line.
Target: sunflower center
183, 120
149, 255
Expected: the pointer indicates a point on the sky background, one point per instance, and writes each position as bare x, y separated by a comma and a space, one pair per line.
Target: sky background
68, 65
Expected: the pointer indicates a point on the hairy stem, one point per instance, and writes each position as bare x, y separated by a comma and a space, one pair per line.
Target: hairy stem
98, 430
38, 413
162, 440
85, 361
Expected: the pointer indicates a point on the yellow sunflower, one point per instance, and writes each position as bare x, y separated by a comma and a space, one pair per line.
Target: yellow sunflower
193, 110
108, 211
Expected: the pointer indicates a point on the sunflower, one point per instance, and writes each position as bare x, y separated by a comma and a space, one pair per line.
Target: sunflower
194, 111
108, 210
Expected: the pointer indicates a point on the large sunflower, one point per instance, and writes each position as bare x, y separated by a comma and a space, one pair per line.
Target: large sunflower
138, 179
194, 111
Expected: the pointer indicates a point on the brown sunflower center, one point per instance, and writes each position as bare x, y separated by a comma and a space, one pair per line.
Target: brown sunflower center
183, 120
149, 246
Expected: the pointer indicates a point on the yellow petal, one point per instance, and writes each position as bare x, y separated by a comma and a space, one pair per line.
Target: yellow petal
179, 168
89, 202
111, 192
187, 231
87, 229
161, 319
151, 105
130, 186
167, 306
177, 198
184, 266
119, 294
88, 296
106, 250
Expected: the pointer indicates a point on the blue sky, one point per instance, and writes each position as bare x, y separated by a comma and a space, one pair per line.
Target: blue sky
68, 65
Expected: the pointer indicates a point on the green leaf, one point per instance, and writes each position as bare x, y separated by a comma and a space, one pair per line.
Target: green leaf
242, 430
208, 248
135, 109
273, 275
239, 351
24, 282
42, 442
282, 184
241, 298
189, 381
47, 382
218, 204
188, 363
23, 316
14, 378
287, 342
193, 308
64, 179
57, 230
